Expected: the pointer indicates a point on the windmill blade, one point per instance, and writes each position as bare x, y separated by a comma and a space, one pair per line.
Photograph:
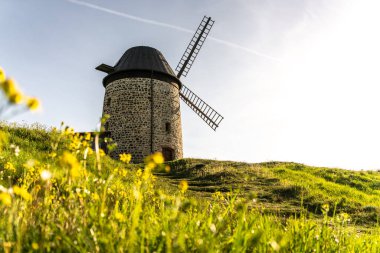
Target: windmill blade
200, 107
194, 46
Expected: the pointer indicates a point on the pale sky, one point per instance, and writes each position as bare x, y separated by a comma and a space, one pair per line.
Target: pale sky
295, 80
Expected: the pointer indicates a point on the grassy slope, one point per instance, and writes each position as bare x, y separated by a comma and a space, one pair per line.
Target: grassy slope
285, 188
279, 187
162, 219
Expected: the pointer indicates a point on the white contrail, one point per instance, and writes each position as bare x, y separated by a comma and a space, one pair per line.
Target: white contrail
178, 28
246, 49
125, 15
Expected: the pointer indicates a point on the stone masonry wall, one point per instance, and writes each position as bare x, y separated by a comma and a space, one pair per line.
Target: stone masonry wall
128, 102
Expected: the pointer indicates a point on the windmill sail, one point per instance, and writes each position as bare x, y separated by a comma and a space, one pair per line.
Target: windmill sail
194, 46
200, 107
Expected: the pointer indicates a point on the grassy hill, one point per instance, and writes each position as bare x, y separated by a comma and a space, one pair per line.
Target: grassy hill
285, 188
55, 195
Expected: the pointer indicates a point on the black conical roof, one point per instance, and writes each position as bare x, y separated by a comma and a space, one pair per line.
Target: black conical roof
144, 58
140, 61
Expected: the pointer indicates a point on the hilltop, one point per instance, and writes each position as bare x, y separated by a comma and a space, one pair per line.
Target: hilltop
285, 188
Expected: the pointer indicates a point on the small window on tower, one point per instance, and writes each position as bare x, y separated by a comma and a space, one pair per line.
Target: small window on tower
108, 101
167, 127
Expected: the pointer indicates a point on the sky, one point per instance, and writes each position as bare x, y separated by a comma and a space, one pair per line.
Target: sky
296, 80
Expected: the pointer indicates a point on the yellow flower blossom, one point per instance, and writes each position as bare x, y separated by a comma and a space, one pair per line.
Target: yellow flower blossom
74, 172
150, 165
153, 160
9, 166
218, 195
90, 151
16, 98
13, 94
6, 198
9, 87
3, 77
325, 208
22, 193
88, 136
53, 154
70, 161
35, 246
146, 175
33, 104
68, 131
120, 217
125, 157
101, 152
157, 158
183, 186
95, 196
3, 139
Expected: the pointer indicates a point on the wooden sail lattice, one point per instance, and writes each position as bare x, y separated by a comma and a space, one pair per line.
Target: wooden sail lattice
194, 46
200, 107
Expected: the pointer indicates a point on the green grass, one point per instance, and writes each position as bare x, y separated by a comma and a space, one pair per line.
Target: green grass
228, 207
286, 188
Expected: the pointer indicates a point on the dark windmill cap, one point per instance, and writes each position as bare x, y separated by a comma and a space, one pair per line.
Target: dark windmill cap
140, 61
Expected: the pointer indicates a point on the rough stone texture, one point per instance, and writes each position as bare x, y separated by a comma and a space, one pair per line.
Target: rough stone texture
129, 103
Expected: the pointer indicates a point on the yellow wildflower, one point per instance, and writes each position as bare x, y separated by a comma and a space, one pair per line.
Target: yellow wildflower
183, 186
22, 193
68, 131
90, 151
6, 198
9, 166
3, 139
95, 196
101, 152
53, 154
218, 195
150, 165
153, 160
146, 175
325, 208
9, 87
69, 160
74, 172
157, 158
2, 75
33, 104
120, 217
7, 246
35, 246
88, 136
125, 157
16, 98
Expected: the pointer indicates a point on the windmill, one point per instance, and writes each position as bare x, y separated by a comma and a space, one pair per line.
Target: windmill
142, 98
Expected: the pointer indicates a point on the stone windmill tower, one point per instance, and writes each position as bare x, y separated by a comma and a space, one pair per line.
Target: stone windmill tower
142, 98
